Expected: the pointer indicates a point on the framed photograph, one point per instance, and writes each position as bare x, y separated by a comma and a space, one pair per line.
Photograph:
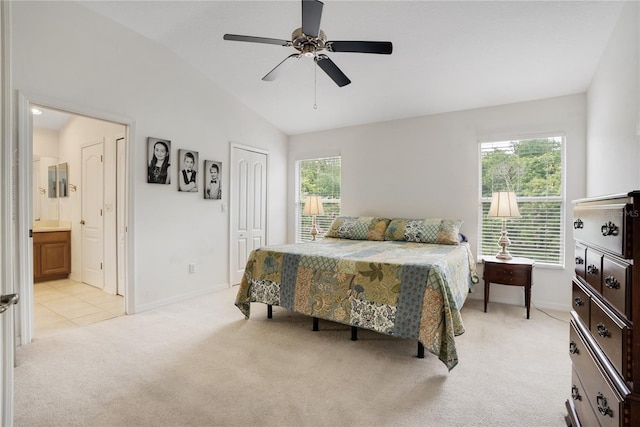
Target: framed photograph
158, 166
212, 185
188, 170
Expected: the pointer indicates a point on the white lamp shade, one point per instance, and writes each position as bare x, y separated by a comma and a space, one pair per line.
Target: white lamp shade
504, 205
313, 206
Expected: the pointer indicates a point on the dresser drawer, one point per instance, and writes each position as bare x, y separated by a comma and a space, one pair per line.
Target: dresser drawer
583, 409
616, 284
612, 335
581, 255
580, 301
593, 261
605, 226
606, 402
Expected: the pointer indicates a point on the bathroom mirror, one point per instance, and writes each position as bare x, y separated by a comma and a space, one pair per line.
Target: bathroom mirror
45, 200
63, 186
52, 178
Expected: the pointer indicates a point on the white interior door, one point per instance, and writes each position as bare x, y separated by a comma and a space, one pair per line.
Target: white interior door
92, 215
248, 207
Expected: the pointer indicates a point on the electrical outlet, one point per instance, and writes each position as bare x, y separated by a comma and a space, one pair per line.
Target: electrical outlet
192, 268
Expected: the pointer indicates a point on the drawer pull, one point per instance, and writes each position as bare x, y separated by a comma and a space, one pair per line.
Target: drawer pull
609, 229
603, 408
573, 348
575, 393
579, 260
592, 269
578, 224
611, 282
578, 301
602, 330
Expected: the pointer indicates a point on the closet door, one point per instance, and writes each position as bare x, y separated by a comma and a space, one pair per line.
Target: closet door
248, 207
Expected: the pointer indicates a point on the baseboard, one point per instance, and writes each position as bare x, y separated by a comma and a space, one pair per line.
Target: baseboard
545, 305
178, 298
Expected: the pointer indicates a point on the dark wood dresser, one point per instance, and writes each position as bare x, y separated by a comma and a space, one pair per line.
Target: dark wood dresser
603, 344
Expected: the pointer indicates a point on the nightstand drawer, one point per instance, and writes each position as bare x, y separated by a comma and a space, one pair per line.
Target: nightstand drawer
511, 275
611, 334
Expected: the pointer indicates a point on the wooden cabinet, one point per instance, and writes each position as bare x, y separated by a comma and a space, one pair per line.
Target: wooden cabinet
604, 345
51, 255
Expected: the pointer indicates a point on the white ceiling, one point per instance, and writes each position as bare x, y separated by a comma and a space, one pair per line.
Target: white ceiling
448, 55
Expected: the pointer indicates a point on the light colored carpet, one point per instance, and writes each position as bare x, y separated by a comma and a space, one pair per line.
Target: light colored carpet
200, 363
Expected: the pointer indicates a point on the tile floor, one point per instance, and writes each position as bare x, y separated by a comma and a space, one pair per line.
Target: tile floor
64, 304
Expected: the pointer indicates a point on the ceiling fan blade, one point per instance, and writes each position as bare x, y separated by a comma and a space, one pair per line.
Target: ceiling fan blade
266, 40
311, 16
384, 48
281, 67
332, 70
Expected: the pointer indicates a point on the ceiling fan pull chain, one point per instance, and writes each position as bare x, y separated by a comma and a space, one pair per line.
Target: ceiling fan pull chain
315, 84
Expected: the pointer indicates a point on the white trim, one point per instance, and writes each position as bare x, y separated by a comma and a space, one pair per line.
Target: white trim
25, 150
7, 263
167, 301
563, 188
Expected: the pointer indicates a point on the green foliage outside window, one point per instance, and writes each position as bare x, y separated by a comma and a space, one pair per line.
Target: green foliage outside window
532, 168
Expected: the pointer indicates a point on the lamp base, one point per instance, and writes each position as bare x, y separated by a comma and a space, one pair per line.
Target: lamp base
503, 243
504, 255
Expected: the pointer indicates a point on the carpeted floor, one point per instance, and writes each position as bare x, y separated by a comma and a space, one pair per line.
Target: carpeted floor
200, 363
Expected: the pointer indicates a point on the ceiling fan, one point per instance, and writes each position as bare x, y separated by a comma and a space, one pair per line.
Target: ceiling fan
310, 41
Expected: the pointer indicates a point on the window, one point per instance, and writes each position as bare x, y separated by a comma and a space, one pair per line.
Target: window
533, 169
317, 177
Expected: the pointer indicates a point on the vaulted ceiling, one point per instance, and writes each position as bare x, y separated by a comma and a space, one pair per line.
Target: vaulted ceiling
447, 55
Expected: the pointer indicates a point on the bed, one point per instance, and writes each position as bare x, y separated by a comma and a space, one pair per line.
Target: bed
401, 277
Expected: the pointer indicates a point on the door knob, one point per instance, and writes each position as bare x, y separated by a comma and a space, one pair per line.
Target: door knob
82, 221
8, 300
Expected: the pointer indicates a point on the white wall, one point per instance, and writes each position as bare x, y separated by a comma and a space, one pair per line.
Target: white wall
613, 127
428, 167
62, 51
45, 143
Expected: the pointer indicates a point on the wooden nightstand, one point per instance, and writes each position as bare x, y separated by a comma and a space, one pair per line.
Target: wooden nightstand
513, 272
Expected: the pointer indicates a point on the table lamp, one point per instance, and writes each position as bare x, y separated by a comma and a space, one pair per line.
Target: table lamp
313, 206
504, 205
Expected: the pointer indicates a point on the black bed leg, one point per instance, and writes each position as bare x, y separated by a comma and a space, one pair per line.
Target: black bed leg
269, 311
354, 333
420, 350
315, 324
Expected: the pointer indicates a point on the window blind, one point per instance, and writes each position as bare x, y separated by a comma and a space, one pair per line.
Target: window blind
533, 169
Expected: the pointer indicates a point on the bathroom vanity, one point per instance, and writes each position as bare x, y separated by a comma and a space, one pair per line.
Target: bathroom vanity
51, 252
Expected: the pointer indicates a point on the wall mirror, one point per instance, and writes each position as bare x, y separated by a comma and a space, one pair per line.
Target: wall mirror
45, 200
63, 185
51, 182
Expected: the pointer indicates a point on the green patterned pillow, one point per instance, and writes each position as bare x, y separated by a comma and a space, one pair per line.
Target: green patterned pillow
440, 231
358, 228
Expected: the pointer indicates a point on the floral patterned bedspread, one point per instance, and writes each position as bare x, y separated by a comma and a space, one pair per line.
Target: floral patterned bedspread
403, 289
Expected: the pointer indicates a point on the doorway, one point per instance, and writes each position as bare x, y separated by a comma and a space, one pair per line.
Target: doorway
77, 131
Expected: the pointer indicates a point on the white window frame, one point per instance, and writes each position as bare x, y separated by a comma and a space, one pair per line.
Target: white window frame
560, 199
